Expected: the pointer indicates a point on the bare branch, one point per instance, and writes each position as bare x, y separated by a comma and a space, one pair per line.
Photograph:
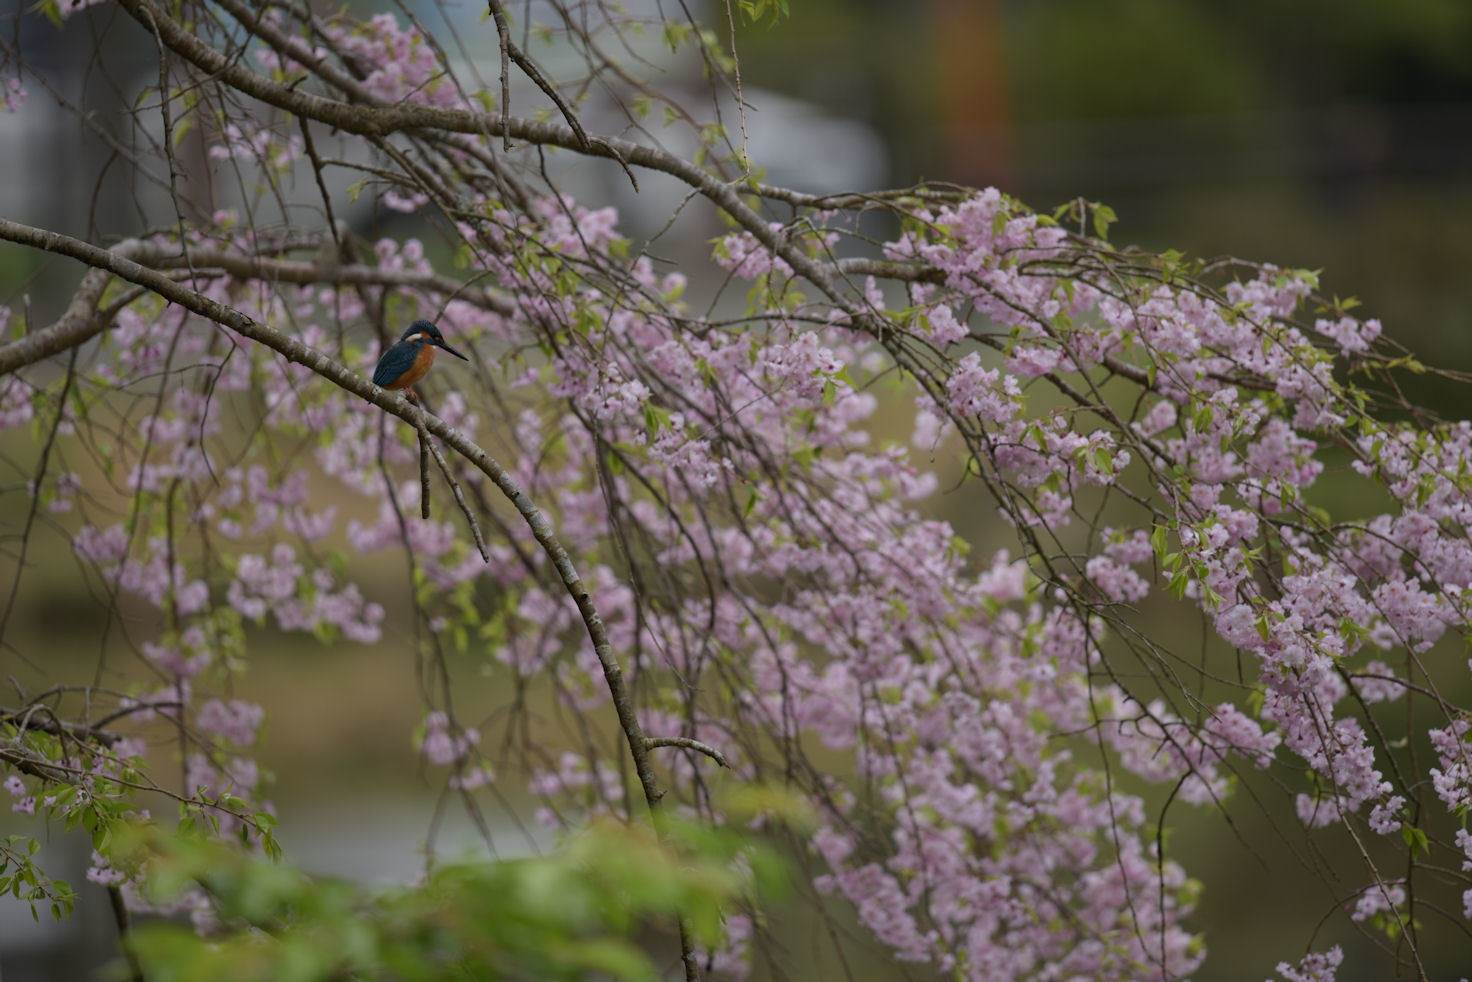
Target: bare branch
685, 743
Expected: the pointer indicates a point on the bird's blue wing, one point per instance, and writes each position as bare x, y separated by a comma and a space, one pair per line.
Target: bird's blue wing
397, 360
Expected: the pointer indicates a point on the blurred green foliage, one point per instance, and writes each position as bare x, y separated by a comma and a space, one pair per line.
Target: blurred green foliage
572, 914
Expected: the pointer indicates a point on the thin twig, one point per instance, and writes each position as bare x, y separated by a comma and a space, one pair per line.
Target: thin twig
688, 744
423, 465
740, 98
311, 148
506, 44
38, 481
509, 49
480, 542
125, 926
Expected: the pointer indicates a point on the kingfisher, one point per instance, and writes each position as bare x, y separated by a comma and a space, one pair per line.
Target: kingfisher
407, 360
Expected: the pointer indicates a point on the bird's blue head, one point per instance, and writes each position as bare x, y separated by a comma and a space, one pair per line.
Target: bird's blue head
423, 332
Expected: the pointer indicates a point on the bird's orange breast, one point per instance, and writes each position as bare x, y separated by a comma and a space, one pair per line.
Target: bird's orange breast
422, 360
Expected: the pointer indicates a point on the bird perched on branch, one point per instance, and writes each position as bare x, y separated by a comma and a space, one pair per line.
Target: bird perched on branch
407, 360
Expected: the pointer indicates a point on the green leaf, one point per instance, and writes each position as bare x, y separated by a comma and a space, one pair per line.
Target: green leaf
182, 129
1158, 541
655, 418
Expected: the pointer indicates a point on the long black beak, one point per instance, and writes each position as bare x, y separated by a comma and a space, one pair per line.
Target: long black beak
441, 344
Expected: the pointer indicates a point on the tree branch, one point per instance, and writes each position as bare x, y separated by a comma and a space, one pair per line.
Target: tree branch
686, 743
295, 271
27, 719
83, 320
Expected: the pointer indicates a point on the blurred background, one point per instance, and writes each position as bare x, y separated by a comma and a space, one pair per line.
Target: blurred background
1332, 134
